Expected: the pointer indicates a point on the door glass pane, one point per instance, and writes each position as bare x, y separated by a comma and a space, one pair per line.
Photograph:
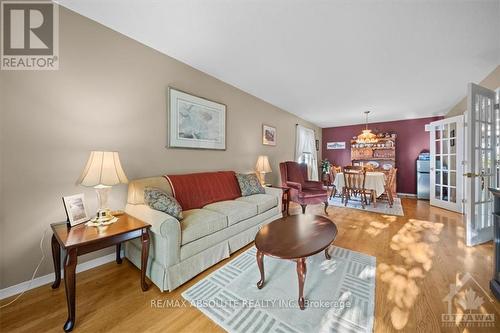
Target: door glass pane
438, 147
437, 192
445, 178
445, 131
453, 178
438, 162
453, 162
438, 177
453, 130
453, 194
445, 193
445, 146
445, 162
483, 136
453, 146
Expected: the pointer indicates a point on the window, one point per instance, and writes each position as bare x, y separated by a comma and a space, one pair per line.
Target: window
305, 151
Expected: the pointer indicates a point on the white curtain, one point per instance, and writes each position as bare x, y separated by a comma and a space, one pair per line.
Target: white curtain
305, 150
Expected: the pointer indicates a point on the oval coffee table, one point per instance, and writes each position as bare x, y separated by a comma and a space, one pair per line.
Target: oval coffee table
294, 237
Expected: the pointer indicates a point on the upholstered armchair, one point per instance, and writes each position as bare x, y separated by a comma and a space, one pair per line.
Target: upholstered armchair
302, 191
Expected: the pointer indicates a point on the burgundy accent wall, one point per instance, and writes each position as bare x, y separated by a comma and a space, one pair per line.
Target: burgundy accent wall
411, 140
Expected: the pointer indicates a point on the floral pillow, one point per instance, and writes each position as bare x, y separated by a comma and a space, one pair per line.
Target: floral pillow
162, 201
249, 184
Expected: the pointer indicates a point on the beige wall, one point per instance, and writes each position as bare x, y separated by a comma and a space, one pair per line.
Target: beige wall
109, 94
492, 81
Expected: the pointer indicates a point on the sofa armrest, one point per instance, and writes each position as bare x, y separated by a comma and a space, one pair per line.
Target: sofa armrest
313, 185
277, 192
166, 228
294, 185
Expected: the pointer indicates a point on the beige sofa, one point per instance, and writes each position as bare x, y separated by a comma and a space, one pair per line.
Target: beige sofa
180, 250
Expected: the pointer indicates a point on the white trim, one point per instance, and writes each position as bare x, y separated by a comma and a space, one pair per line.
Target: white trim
406, 195
49, 278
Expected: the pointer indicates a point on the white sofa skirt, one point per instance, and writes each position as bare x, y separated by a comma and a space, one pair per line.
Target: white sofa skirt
195, 258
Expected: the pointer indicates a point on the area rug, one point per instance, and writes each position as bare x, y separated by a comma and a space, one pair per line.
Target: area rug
340, 294
382, 206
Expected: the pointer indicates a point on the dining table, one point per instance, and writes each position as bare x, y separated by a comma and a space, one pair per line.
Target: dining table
374, 181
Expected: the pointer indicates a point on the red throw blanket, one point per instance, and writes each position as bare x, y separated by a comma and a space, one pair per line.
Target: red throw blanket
196, 190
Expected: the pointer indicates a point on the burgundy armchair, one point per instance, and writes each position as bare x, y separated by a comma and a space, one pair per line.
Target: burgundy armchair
302, 191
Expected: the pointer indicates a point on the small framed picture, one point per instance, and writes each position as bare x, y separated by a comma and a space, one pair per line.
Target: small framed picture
75, 209
268, 135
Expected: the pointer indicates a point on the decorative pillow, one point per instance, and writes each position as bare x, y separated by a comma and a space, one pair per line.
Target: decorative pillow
162, 201
249, 184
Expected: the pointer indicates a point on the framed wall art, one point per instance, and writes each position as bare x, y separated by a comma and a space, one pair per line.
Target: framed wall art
268, 135
195, 122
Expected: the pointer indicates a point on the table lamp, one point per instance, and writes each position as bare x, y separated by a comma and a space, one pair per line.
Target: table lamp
102, 171
263, 167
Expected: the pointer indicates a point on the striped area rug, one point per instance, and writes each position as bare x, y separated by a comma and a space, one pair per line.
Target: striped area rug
340, 294
382, 206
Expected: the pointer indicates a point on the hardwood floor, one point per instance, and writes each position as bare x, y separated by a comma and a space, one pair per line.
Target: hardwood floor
418, 257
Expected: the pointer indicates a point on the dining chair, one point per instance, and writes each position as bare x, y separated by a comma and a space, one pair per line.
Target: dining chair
389, 185
354, 184
369, 167
334, 171
353, 167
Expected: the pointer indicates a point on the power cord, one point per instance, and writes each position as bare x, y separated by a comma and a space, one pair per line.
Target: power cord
34, 273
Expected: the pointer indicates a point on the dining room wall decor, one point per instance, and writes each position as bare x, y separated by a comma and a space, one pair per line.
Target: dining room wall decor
411, 140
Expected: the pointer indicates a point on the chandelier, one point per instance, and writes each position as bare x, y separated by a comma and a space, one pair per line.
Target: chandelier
366, 135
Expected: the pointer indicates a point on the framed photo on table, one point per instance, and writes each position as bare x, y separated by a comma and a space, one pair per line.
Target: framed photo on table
75, 209
268, 135
195, 122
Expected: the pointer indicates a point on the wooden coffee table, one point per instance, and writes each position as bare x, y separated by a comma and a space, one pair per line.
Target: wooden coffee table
294, 237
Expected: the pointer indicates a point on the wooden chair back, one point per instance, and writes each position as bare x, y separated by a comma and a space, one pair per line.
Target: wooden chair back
354, 179
353, 167
391, 178
334, 170
369, 167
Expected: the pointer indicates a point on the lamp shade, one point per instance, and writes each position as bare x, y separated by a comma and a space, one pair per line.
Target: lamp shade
103, 169
263, 164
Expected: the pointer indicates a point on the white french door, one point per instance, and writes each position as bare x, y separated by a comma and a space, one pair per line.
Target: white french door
481, 163
446, 180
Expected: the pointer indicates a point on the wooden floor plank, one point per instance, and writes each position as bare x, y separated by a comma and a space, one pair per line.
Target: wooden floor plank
418, 257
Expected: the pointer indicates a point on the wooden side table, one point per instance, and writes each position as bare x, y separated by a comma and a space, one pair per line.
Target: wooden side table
285, 198
82, 239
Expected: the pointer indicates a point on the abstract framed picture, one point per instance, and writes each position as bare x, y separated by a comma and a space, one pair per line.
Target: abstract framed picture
195, 122
75, 209
268, 135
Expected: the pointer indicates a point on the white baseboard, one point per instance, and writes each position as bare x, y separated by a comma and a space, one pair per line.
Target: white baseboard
406, 195
49, 278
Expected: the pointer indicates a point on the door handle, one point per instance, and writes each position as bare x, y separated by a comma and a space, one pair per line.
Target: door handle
471, 175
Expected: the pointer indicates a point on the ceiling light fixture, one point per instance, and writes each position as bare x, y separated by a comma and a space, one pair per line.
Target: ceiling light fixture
366, 135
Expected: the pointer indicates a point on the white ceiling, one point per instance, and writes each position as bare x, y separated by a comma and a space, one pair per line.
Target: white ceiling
325, 61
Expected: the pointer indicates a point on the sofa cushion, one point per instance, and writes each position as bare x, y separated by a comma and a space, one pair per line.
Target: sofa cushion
162, 201
264, 202
198, 223
196, 190
235, 211
249, 184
